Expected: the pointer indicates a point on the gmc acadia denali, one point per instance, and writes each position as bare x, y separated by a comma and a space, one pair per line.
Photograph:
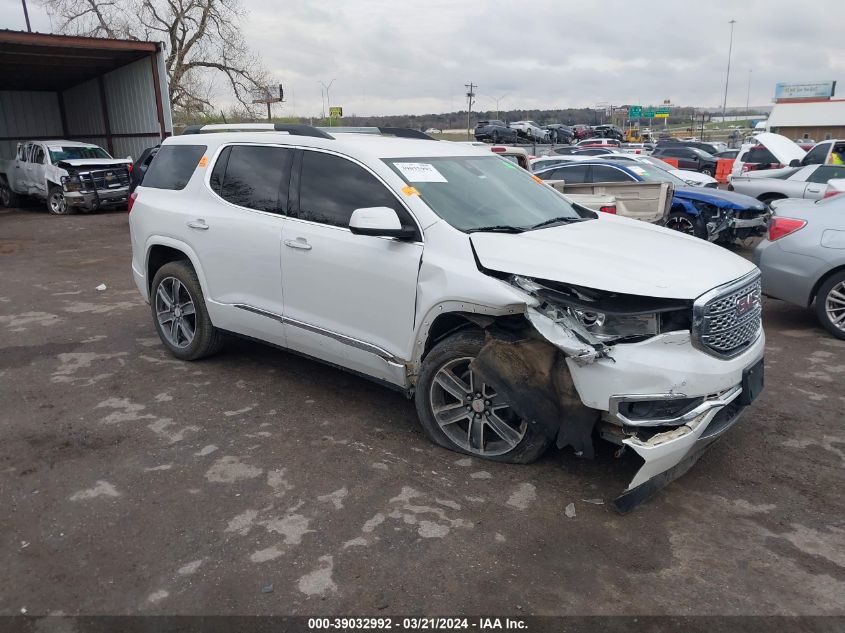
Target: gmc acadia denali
513, 317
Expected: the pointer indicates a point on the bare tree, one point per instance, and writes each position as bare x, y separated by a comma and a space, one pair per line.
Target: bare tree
202, 39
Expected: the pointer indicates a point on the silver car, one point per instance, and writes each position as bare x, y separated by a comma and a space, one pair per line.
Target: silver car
792, 182
803, 258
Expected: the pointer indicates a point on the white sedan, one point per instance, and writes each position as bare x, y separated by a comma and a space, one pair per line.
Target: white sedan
692, 178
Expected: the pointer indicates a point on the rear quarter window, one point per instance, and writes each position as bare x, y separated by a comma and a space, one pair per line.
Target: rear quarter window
173, 166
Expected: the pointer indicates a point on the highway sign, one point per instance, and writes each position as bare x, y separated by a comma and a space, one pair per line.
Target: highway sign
335, 112
635, 112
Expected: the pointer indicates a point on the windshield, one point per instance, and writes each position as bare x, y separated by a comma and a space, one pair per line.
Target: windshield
478, 192
58, 153
655, 174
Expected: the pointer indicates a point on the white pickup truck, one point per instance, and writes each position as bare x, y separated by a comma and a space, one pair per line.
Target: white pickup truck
66, 175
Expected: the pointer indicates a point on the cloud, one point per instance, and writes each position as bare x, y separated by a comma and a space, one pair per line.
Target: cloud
415, 56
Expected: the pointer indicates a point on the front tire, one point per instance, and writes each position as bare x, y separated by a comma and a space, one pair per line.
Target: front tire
180, 315
830, 305
685, 223
56, 203
459, 412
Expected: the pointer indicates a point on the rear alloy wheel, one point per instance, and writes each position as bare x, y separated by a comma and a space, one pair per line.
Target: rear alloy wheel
7, 198
462, 413
707, 171
685, 223
56, 203
180, 315
830, 305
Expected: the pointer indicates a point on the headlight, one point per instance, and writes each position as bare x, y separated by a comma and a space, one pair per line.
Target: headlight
71, 183
607, 316
607, 327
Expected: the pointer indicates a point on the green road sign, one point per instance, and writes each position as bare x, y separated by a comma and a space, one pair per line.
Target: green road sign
648, 114
635, 112
662, 110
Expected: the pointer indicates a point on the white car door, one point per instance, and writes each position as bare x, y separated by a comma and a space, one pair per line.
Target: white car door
37, 171
349, 299
21, 182
236, 231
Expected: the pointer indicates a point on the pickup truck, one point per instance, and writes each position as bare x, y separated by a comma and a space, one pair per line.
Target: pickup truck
66, 175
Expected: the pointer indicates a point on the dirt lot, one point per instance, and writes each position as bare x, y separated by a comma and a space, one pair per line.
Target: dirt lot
133, 483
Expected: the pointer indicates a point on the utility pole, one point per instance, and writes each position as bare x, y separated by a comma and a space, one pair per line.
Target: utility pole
748, 96
470, 97
728, 74
26, 16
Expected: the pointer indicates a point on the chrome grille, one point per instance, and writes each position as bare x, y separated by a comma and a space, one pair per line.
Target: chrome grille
728, 319
110, 178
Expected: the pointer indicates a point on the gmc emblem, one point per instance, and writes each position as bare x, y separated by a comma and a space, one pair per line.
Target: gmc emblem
746, 303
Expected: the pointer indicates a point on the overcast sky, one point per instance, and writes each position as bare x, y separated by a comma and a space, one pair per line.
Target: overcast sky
413, 56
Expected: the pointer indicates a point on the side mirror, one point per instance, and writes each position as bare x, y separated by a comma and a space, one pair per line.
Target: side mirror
378, 221
795, 163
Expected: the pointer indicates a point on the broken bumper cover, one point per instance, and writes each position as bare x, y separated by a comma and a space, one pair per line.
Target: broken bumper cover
93, 200
677, 379
669, 454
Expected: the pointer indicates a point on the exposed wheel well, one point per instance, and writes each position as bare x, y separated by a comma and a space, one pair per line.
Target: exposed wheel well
763, 197
821, 280
443, 326
159, 256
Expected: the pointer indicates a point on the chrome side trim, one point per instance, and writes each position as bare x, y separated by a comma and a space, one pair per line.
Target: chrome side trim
346, 340
719, 401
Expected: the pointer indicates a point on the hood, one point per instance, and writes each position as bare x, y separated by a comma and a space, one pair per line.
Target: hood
721, 198
693, 176
783, 149
613, 254
93, 162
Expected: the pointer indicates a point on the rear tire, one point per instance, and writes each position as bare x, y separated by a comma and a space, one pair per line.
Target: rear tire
707, 171
8, 198
458, 413
830, 305
56, 203
180, 315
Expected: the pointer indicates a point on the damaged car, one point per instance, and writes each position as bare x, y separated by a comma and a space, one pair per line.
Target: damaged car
67, 175
514, 318
709, 214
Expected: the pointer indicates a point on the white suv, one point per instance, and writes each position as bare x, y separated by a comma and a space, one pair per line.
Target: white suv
513, 317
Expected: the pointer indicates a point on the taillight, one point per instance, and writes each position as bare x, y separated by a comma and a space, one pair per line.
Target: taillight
831, 192
611, 208
781, 227
129, 203
498, 150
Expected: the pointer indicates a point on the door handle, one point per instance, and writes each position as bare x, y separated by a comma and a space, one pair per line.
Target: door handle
300, 243
198, 224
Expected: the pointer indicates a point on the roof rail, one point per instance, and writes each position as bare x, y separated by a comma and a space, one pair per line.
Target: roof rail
293, 129
399, 132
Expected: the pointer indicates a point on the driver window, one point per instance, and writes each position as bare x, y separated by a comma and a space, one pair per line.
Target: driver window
38, 155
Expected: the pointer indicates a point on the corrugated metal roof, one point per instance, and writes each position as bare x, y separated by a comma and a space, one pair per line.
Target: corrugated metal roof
808, 114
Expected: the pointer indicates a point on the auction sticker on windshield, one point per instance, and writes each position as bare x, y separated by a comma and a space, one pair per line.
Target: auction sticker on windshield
420, 172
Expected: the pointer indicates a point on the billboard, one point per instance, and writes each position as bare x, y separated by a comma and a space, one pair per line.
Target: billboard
818, 90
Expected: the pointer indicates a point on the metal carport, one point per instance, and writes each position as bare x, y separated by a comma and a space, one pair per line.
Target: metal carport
109, 92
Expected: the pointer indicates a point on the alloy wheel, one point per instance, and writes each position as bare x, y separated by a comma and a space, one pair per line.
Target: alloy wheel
58, 204
175, 312
471, 414
835, 305
681, 224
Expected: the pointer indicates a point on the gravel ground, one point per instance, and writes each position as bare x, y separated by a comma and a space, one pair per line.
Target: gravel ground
132, 483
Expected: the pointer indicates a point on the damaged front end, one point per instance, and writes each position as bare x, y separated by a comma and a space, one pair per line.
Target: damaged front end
571, 335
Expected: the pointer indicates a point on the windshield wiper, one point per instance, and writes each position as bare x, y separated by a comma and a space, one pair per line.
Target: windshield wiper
561, 220
500, 228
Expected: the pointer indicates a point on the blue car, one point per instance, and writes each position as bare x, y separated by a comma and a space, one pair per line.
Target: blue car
711, 214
